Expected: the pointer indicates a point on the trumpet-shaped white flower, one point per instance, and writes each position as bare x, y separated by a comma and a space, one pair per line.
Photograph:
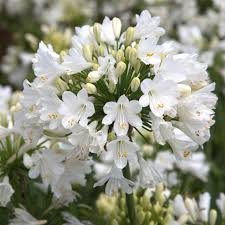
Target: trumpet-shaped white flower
70, 219
122, 150
149, 174
75, 108
48, 165
106, 67
6, 191
220, 202
147, 25
46, 63
195, 114
160, 95
22, 217
107, 33
49, 111
75, 62
5, 93
122, 113
115, 180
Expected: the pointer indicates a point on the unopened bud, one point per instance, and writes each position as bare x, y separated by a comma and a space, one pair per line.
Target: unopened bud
191, 208
184, 90
117, 25
95, 66
27, 161
140, 217
137, 66
135, 84
100, 50
183, 219
93, 76
97, 32
112, 86
133, 56
129, 36
119, 56
120, 68
87, 52
91, 89
212, 217
127, 53
61, 85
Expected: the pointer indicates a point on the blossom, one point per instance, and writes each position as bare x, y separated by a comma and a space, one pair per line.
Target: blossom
123, 150
115, 180
23, 217
161, 96
70, 219
220, 202
6, 191
5, 93
75, 108
147, 25
75, 62
123, 112
46, 63
48, 165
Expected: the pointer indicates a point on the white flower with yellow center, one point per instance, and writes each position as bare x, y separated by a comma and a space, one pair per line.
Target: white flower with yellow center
75, 108
123, 113
122, 150
160, 95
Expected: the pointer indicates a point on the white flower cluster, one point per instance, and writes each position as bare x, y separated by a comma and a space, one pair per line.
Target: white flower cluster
90, 99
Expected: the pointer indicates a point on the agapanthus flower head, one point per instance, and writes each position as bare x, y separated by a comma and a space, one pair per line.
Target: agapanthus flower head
111, 82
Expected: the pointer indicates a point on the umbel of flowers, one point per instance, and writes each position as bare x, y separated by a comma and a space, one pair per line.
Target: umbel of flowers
88, 100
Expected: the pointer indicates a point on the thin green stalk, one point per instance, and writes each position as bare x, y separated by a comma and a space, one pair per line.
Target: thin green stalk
130, 197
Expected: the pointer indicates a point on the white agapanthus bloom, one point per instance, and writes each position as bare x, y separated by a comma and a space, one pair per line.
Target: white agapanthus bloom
123, 151
123, 112
46, 63
5, 93
70, 219
108, 84
75, 109
22, 217
48, 165
6, 192
220, 202
161, 96
115, 180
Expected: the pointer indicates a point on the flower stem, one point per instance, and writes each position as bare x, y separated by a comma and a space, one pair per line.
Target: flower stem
130, 197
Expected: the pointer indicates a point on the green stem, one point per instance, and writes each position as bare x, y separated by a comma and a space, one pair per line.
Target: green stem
130, 197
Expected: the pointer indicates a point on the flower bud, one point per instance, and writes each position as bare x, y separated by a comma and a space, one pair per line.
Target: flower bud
184, 90
120, 68
129, 36
190, 205
183, 219
91, 89
119, 56
117, 25
95, 66
137, 66
97, 32
198, 85
61, 85
93, 76
100, 50
63, 54
112, 86
133, 56
135, 84
27, 161
212, 217
127, 53
87, 52
140, 217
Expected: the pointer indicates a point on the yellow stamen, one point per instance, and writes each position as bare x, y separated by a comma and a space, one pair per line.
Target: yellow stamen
150, 54
186, 154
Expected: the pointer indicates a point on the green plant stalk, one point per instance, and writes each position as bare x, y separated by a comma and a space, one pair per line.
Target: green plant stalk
130, 197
